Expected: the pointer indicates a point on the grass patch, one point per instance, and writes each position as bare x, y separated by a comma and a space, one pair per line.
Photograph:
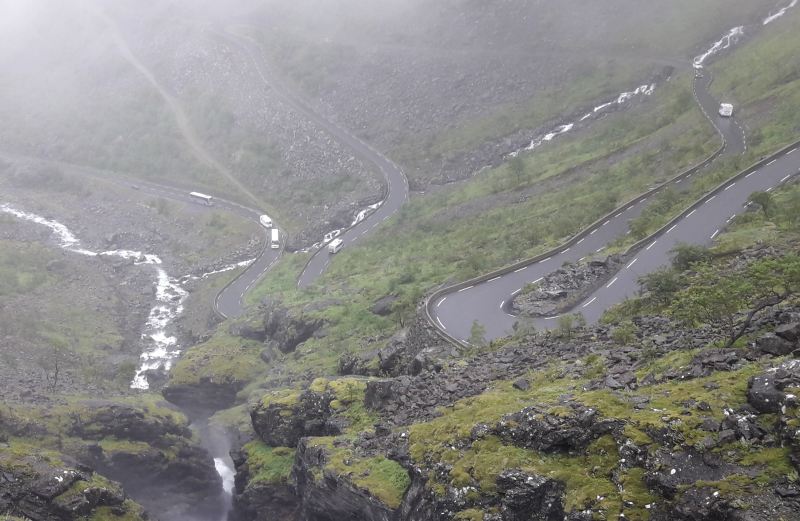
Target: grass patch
268, 465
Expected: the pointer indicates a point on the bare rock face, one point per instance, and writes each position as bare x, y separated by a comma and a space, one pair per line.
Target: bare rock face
528, 497
281, 421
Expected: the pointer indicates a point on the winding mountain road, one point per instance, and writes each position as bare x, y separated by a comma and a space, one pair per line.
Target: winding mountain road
489, 302
396, 182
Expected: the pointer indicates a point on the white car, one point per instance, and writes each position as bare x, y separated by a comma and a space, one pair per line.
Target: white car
265, 221
726, 110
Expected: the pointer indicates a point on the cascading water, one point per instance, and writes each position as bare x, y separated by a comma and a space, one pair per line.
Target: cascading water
621, 99
160, 348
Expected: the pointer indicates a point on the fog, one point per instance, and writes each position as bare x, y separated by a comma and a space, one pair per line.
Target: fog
122, 107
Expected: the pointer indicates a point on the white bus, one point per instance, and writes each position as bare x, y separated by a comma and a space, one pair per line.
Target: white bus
275, 241
265, 221
205, 199
335, 246
726, 110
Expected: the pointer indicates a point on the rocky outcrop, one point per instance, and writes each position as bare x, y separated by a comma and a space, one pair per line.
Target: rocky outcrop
563, 288
528, 497
279, 328
152, 452
536, 428
330, 497
100, 419
204, 395
50, 487
766, 393
261, 501
282, 420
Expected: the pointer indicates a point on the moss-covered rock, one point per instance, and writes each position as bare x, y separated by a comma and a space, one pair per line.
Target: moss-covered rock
282, 418
47, 486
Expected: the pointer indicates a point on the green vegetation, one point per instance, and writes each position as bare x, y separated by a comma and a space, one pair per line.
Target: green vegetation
23, 267
268, 465
718, 298
223, 359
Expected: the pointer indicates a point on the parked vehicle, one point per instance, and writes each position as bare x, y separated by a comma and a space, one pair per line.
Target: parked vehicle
275, 242
726, 110
203, 198
265, 221
335, 246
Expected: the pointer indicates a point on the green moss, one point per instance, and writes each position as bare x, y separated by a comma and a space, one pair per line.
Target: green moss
635, 492
472, 514
132, 512
114, 445
269, 465
282, 398
383, 478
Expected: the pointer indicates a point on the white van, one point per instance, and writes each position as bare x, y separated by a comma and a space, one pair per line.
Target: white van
335, 246
726, 110
275, 241
265, 221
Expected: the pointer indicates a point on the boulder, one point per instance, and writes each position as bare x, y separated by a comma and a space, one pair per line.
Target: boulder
383, 306
775, 345
535, 428
529, 497
765, 392
789, 332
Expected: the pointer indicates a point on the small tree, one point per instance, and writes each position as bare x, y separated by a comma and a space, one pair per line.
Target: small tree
662, 284
765, 201
624, 333
567, 324
53, 361
524, 327
477, 334
685, 255
720, 298
517, 167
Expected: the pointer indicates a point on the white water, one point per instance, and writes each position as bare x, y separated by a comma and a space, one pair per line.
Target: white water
621, 99
226, 473
771, 18
331, 235
731, 38
160, 348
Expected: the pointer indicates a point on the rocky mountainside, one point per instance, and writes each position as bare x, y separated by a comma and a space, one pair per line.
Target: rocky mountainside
641, 419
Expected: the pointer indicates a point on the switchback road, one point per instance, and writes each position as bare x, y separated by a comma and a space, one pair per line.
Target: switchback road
489, 302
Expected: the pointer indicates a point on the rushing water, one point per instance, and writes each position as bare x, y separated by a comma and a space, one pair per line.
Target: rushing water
331, 235
771, 18
620, 99
733, 36
160, 348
